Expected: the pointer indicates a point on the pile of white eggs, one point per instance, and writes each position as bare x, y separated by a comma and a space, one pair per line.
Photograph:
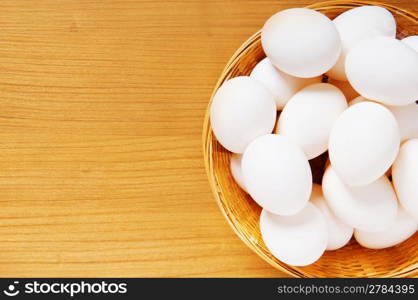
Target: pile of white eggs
366, 117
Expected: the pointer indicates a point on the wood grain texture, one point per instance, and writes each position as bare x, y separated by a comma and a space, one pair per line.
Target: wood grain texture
101, 110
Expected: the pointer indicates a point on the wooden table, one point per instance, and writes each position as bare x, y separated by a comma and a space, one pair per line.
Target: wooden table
101, 108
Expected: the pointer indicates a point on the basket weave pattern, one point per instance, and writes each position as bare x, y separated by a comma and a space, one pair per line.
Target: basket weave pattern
243, 213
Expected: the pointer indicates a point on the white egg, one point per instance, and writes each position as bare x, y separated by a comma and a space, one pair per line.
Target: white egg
405, 176
400, 230
371, 208
364, 143
339, 233
407, 117
242, 109
236, 170
346, 88
362, 99
411, 41
308, 117
281, 85
297, 240
277, 174
356, 25
384, 69
301, 42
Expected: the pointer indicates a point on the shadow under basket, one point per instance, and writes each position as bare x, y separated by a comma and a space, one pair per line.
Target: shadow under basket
243, 213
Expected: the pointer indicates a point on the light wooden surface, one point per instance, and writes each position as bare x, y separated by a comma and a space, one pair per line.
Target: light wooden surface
101, 107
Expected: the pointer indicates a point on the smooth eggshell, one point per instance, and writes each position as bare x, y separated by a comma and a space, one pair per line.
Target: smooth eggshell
407, 117
400, 230
385, 70
405, 176
346, 88
277, 174
356, 25
242, 109
339, 233
281, 85
297, 240
362, 99
236, 170
301, 42
370, 208
411, 41
308, 117
364, 143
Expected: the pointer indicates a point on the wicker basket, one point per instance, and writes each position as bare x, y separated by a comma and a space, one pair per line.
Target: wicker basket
243, 213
